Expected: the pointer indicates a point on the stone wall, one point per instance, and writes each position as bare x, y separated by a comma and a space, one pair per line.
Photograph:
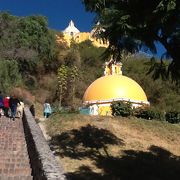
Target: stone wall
43, 163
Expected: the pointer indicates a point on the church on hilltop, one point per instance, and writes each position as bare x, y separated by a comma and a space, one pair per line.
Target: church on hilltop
113, 86
71, 32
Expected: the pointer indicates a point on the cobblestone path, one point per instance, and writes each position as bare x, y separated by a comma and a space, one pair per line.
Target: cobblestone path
14, 159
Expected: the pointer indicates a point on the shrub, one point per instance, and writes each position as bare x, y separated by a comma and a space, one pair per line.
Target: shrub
123, 109
147, 113
64, 109
173, 117
23, 94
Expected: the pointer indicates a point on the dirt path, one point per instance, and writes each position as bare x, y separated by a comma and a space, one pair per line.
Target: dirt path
43, 128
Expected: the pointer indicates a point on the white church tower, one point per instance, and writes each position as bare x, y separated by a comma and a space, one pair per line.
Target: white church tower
71, 30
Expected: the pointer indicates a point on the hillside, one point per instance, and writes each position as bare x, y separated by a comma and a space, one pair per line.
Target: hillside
34, 63
115, 148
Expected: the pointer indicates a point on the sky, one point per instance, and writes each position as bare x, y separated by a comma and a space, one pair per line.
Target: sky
58, 12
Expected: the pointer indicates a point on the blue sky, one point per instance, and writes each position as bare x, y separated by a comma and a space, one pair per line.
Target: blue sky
58, 12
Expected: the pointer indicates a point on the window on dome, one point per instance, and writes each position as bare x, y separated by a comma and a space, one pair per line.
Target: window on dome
71, 33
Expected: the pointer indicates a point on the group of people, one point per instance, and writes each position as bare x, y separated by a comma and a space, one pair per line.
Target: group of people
9, 103
47, 110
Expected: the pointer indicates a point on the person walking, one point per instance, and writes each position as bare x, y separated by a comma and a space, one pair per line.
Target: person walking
13, 103
6, 106
1, 104
47, 109
32, 110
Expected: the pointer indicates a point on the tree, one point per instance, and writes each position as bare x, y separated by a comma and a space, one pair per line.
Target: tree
133, 24
72, 80
9, 75
62, 82
26, 40
67, 80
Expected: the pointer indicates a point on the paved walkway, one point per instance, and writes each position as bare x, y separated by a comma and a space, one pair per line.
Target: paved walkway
14, 160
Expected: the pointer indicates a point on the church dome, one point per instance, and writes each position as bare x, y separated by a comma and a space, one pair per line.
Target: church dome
114, 88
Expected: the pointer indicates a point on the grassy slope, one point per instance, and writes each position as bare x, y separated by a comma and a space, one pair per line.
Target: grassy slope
116, 148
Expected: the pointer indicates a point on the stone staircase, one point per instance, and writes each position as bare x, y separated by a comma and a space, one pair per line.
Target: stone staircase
14, 159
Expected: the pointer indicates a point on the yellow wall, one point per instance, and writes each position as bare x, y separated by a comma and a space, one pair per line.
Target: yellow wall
83, 36
80, 37
105, 110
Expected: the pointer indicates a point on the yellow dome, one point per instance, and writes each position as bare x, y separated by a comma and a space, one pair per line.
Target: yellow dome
114, 87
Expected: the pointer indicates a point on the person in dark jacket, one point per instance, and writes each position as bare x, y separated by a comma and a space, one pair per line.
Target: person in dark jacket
32, 110
1, 104
13, 103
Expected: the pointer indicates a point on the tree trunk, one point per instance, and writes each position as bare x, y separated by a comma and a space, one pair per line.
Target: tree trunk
60, 97
73, 91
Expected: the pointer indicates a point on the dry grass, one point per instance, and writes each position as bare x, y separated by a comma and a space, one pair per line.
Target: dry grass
39, 110
23, 94
127, 145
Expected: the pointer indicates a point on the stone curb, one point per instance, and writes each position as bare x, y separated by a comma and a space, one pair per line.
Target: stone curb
43, 163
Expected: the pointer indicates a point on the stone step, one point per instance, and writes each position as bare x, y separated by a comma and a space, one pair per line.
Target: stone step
14, 159
15, 177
